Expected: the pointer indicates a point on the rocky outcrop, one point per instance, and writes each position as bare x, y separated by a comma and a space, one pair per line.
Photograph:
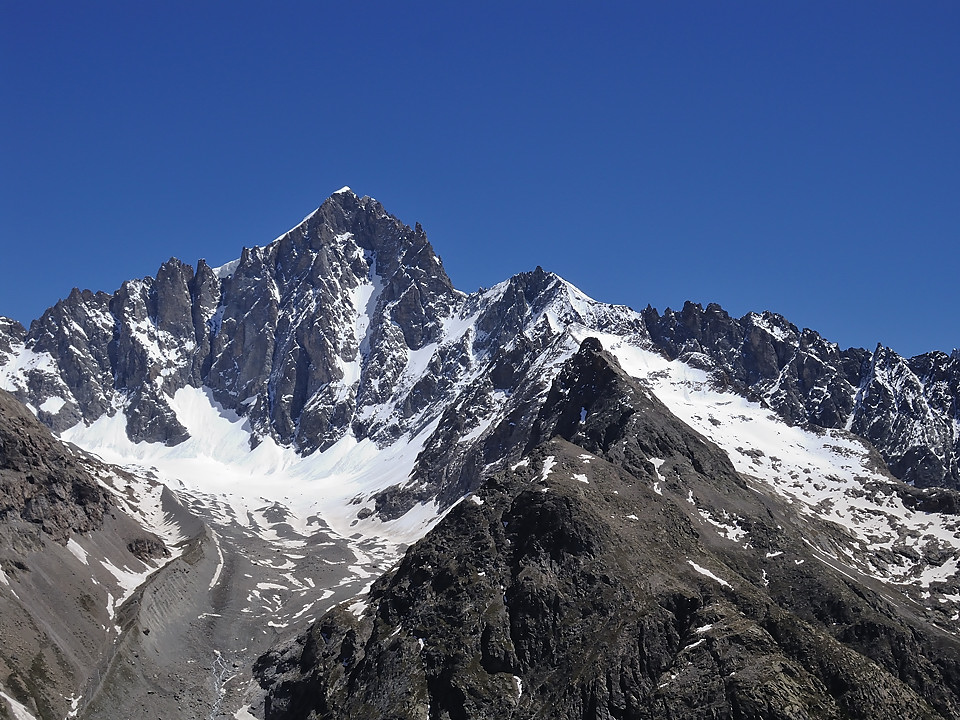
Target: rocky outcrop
12, 334
41, 483
575, 586
908, 410
67, 553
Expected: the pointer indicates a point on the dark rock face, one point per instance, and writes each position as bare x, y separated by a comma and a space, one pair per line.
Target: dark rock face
40, 482
568, 588
906, 408
148, 548
11, 333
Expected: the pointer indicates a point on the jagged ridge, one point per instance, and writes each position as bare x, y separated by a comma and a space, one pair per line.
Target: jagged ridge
349, 324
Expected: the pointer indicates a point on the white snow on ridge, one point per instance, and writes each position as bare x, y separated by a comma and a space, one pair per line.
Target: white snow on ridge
227, 269
763, 322
23, 361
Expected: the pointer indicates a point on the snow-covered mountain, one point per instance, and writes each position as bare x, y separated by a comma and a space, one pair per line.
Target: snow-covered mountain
291, 421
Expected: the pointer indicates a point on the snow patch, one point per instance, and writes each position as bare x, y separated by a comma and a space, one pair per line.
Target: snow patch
4, 580
78, 552
703, 571
128, 580
657, 463
216, 573
727, 525
24, 362
548, 464
53, 405
227, 269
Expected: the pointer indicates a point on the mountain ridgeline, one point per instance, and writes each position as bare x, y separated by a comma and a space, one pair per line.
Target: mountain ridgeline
310, 336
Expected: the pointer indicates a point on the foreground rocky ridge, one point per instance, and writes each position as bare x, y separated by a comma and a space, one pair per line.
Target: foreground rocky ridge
582, 584
67, 555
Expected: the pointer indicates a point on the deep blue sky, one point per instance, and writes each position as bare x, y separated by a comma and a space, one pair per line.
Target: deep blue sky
801, 157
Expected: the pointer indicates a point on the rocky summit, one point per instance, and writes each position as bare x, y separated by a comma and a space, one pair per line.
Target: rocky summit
321, 482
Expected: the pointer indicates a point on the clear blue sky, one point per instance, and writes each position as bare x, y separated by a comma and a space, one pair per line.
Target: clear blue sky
801, 157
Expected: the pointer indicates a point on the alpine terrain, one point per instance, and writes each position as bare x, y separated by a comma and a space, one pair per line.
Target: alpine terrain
321, 482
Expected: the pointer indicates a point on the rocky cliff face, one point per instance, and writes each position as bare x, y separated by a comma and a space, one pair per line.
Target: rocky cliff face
582, 583
282, 335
